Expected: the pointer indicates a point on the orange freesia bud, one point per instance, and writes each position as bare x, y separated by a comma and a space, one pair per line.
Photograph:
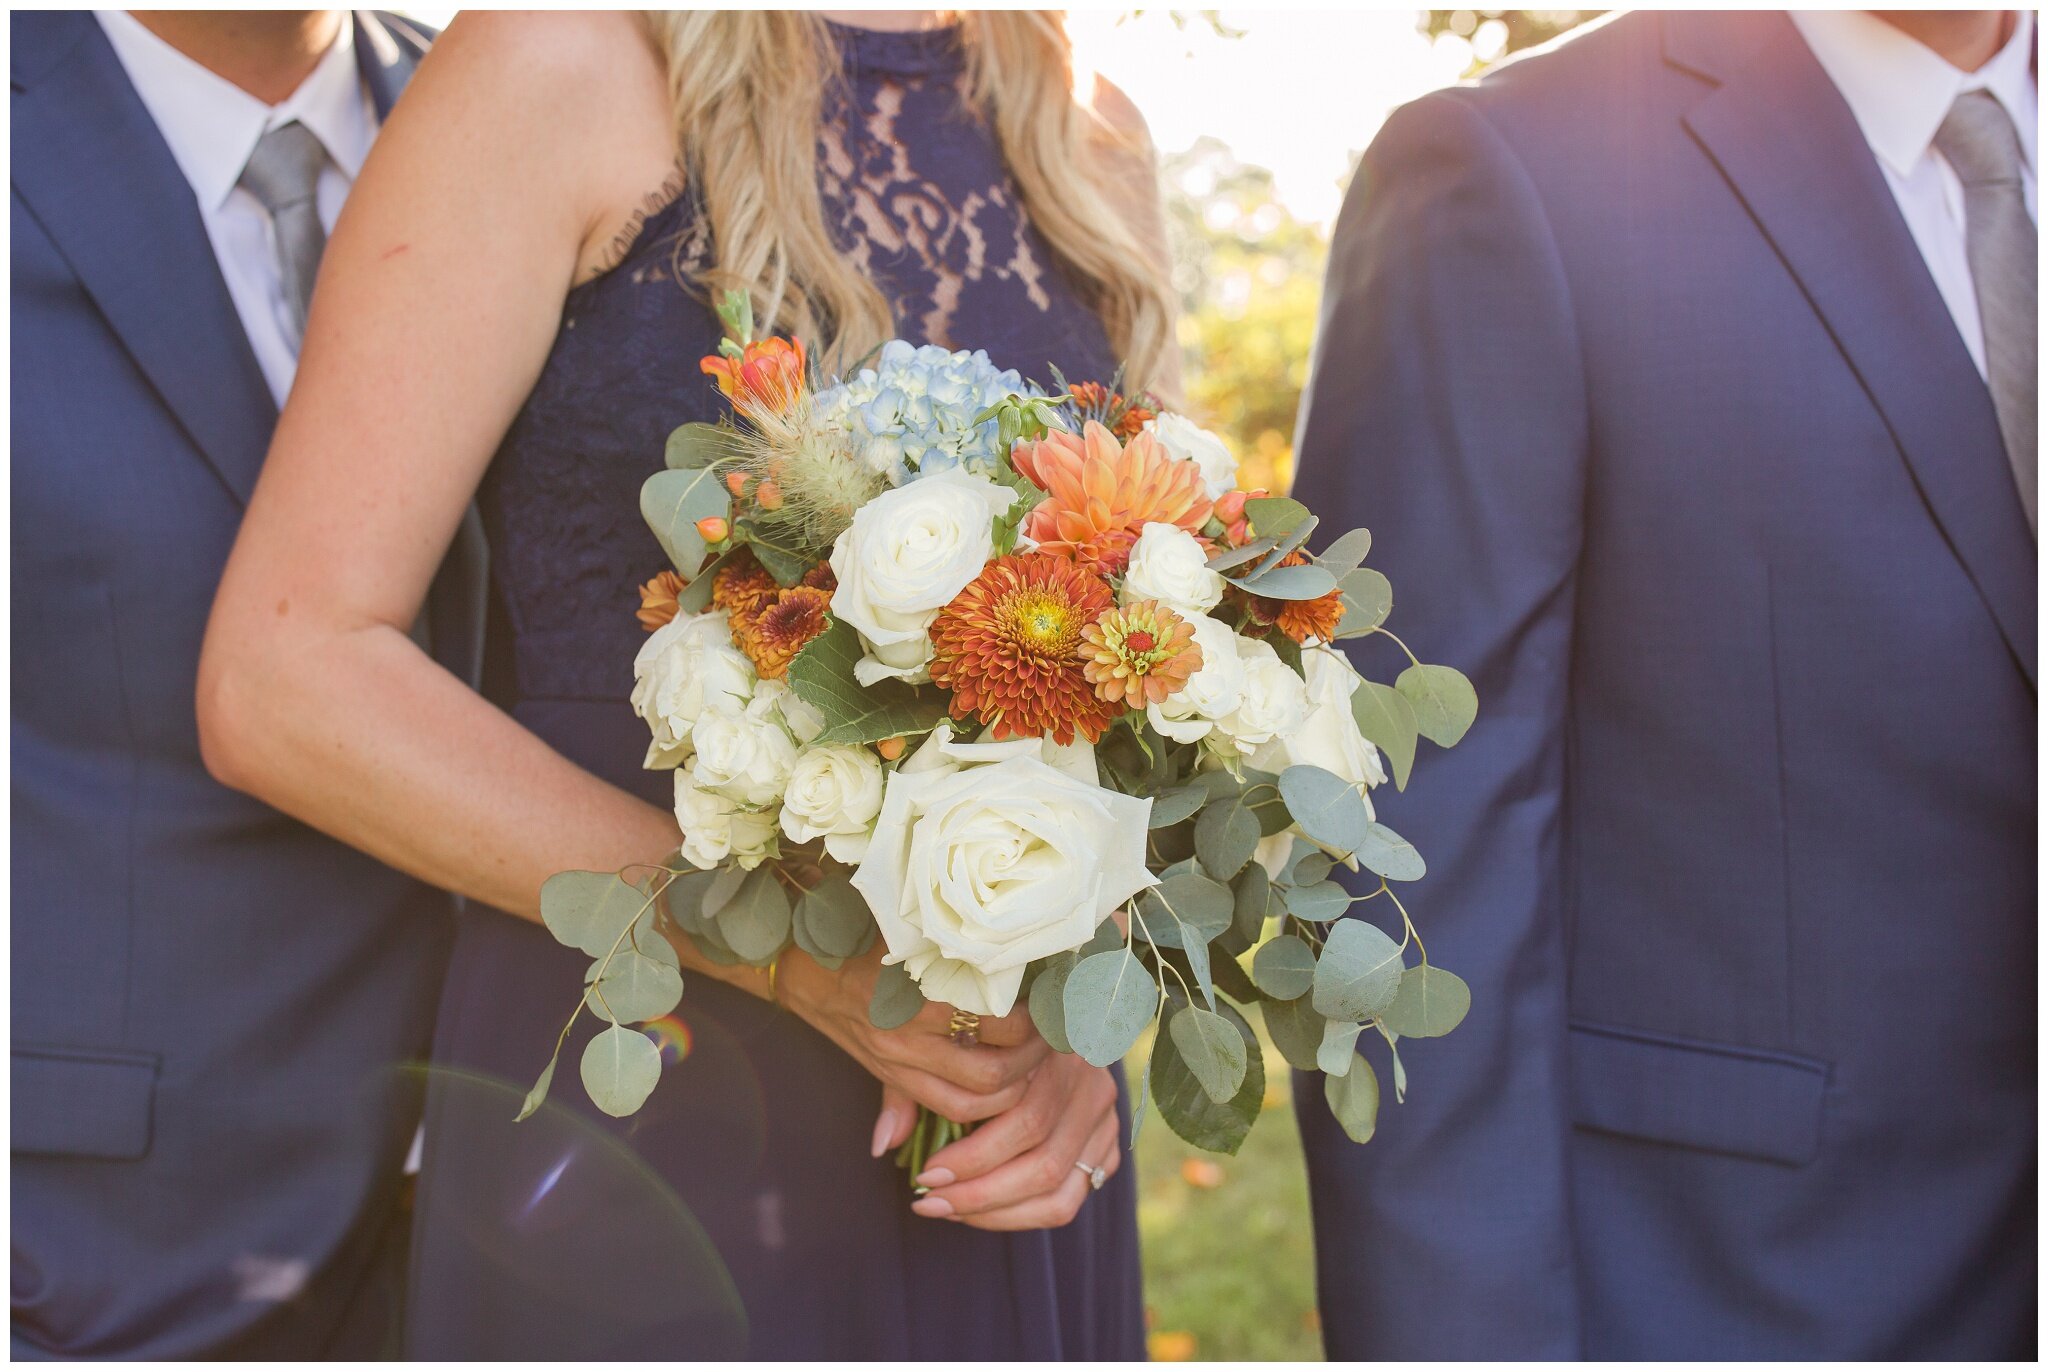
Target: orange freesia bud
713, 529
767, 376
768, 495
890, 749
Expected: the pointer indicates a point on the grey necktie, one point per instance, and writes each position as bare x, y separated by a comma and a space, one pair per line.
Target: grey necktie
284, 176
1979, 141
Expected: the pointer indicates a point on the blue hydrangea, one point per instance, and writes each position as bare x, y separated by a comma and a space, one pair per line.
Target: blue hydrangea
913, 412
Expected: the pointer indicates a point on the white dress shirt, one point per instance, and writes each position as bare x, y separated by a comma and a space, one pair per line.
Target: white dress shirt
1900, 92
212, 126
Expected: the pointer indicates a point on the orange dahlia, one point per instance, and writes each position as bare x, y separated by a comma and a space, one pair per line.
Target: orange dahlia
658, 601
1009, 648
766, 376
1139, 655
1103, 493
1300, 620
779, 632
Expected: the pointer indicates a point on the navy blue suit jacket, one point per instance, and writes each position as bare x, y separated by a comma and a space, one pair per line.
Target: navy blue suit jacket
1665, 436
210, 1001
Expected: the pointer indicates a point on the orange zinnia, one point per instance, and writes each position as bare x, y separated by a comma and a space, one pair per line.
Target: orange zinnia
1103, 493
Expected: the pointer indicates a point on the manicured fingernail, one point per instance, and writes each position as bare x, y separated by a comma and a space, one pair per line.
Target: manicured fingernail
934, 1177
885, 1129
933, 1207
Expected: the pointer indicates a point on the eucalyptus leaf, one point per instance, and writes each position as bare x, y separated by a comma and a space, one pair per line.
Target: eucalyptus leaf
1048, 1002
1212, 1048
539, 1093
1289, 543
590, 910
1296, 1030
756, 923
1354, 1100
1250, 894
1339, 1049
1173, 806
1387, 721
822, 675
1318, 904
1326, 806
1284, 967
1358, 973
635, 987
1185, 909
896, 1000
1304, 582
1445, 703
1186, 1105
1400, 1072
836, 917
1109, 999
695, 597
620, 1068
695, 446
1368, 600
1106, 937
1226, 834
1271, 515
1346, 551
1431, 1002
1306, 864
1385, 853
673, 502
1251, 550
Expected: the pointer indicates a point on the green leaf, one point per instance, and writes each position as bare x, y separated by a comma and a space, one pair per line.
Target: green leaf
1251, 550
756, 923
1271, 515
620, 1067
1288, 583
1187, 1107
1290, 542
636, 987
1346, 552
696, 446
672, 502
1307, 864
1385, 853
1368, 600
1171, 807
896, 1000
786, 562
1387, 721
1105, 938
1225, 836
1358, 973
589, 910
822, 676
1297, 1030
835, 918
1355, 1100
1400, 1072
1339, 1049
1431, 1002
1212, 1048
1109, 1000
539, 1092
1445, 703
1318, 904
1185, 909
1284, 967
1251, 892
1048, 1001
1326, 807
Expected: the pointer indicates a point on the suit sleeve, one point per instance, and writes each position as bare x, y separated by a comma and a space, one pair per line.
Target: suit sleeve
1446, 412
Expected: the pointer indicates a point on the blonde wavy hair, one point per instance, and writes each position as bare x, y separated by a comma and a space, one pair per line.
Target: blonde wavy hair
748, 89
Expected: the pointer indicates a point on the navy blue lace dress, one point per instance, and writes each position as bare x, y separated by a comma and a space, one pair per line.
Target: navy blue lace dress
738, 1214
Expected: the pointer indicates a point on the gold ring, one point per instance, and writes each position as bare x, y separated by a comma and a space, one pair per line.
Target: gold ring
965, 1027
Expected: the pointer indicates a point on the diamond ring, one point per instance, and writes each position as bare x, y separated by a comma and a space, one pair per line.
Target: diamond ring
1096, 1176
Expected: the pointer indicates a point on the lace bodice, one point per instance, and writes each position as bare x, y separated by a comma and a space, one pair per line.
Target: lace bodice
915, 188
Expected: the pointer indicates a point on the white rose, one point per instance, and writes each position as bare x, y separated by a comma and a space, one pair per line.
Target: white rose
1169, 566
1275, 702
834, 793
908, 552
715, 827
687, 666
803, 718
1212, 693
975, 871
745, 755
1329, 737
1189, 441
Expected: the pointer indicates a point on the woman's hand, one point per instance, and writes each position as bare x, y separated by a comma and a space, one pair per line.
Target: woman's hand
917, 1062
1022, 1169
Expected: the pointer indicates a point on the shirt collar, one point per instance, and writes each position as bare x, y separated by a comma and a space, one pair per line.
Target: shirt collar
211, 125
1900, 91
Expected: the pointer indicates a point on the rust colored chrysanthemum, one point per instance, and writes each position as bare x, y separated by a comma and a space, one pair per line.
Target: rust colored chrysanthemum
1102, 493
658, 601
778, 632
1139, 655
1300, 620
1009, 648
743, 589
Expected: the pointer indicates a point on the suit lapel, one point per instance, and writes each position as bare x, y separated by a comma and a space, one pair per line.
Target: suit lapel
1791, 149
91, 167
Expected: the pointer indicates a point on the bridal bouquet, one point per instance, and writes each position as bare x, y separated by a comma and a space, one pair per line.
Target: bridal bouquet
1020, 685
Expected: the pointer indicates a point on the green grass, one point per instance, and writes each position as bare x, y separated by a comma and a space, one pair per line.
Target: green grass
1229, 1267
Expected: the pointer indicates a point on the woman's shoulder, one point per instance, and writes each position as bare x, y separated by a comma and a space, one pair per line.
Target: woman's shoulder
562, 50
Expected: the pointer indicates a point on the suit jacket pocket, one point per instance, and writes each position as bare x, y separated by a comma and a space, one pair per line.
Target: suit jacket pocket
1751, 1102
82, 1102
